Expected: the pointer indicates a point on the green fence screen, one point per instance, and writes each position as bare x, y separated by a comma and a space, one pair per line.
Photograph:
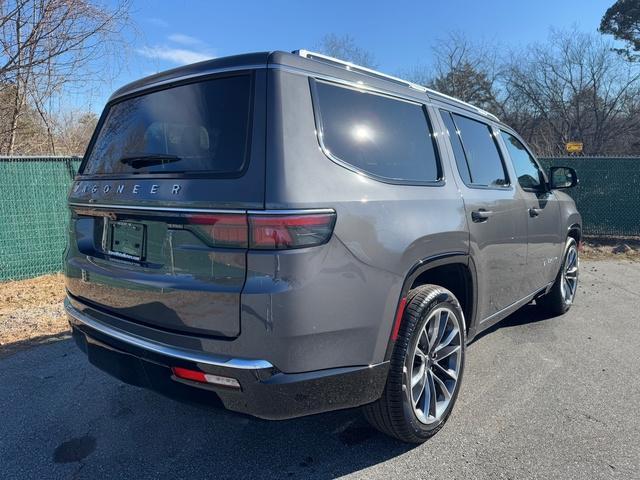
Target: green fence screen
33, 214
608, 195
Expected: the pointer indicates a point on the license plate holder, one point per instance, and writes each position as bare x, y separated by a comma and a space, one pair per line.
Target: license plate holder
127, 240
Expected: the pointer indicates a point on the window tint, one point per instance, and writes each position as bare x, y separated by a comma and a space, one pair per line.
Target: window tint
529, 175
196, 127
458, 151
485, 164
376, 134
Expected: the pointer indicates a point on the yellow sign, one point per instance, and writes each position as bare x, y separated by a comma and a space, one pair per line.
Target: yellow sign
574, 147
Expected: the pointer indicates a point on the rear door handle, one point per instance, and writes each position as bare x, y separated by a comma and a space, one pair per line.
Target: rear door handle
534, 212
481, 215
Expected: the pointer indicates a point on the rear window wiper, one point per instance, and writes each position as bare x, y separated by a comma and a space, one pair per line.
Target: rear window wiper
139, 161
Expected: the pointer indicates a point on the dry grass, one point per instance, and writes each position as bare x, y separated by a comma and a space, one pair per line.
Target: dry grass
626, 248
31, 310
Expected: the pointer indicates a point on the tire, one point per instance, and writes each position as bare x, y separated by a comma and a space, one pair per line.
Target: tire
562, 294
420, 356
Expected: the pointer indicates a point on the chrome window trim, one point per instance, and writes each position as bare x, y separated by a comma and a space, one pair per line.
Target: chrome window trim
114, 206
163, 349
303, 211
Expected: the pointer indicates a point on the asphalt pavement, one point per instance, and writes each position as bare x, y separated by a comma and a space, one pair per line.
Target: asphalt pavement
541, 398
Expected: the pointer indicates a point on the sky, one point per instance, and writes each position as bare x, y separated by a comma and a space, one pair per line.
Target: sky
400, 35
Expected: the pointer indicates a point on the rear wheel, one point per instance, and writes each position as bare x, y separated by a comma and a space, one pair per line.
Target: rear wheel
426, 367
563, 292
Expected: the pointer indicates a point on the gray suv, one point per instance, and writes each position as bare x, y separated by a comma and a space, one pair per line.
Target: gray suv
285, 234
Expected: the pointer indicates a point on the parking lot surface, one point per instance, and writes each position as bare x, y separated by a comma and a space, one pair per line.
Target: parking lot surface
541, 398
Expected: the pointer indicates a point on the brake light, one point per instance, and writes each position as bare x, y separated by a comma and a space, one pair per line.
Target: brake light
265, 231
276, 232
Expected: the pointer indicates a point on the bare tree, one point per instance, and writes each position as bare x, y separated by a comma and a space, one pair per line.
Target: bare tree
463, 70
574, 87
47, 46
345, 48
72, 131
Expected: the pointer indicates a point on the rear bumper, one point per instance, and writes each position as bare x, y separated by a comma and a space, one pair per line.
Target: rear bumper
264, 391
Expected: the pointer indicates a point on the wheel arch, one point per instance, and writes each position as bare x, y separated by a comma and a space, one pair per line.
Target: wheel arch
454, 271
575, 231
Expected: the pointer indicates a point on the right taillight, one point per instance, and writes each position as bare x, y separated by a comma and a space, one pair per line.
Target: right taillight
279, 232
265, 231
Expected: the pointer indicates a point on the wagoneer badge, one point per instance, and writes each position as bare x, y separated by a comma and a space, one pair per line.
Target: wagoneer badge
122, 188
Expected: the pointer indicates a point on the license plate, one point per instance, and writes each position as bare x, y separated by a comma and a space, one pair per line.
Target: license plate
127, 240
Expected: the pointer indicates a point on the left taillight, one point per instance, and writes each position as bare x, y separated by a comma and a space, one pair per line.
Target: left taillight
266, 231
223, 230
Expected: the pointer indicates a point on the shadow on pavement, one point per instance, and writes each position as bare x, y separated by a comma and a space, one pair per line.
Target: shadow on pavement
526, 315
74, 420
14, 347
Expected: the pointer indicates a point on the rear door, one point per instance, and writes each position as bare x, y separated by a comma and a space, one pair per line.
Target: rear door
158, 232
498, 232
542, 211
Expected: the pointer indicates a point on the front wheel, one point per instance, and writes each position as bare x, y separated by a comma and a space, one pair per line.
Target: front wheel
563, 292
425, 369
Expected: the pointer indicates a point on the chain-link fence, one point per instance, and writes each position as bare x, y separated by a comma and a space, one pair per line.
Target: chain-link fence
608, 195
33, 213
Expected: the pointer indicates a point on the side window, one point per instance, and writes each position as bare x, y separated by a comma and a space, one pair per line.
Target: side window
456, 144
485, 164
376, 134
529, 174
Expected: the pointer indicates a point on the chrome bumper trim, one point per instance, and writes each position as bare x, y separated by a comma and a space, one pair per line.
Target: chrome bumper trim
198, 357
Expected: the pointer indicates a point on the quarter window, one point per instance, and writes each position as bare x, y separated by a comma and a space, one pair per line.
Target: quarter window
529, 174
483, 158
376, 134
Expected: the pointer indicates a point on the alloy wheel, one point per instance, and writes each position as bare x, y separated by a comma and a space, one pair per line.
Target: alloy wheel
569, 283
435, 365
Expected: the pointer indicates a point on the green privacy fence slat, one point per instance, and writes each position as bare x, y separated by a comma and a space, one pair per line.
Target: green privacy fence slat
608, 195
33, 214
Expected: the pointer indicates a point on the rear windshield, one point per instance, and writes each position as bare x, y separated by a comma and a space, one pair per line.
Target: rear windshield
198, 127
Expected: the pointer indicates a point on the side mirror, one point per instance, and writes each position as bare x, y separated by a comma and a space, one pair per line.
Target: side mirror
562, 177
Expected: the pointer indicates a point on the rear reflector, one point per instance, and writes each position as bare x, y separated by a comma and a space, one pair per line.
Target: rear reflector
265, 231
398, 319
201, 377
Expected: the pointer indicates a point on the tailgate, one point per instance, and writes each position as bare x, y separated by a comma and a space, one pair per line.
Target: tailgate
163, 271
158, 208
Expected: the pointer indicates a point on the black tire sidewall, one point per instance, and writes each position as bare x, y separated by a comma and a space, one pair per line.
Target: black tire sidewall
443, 299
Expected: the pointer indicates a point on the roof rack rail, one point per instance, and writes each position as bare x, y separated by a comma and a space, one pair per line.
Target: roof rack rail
457, 100
374, 73
357, 68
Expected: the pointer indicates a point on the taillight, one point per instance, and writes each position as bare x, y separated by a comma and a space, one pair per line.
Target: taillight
265, 231
223, 230
276, 232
